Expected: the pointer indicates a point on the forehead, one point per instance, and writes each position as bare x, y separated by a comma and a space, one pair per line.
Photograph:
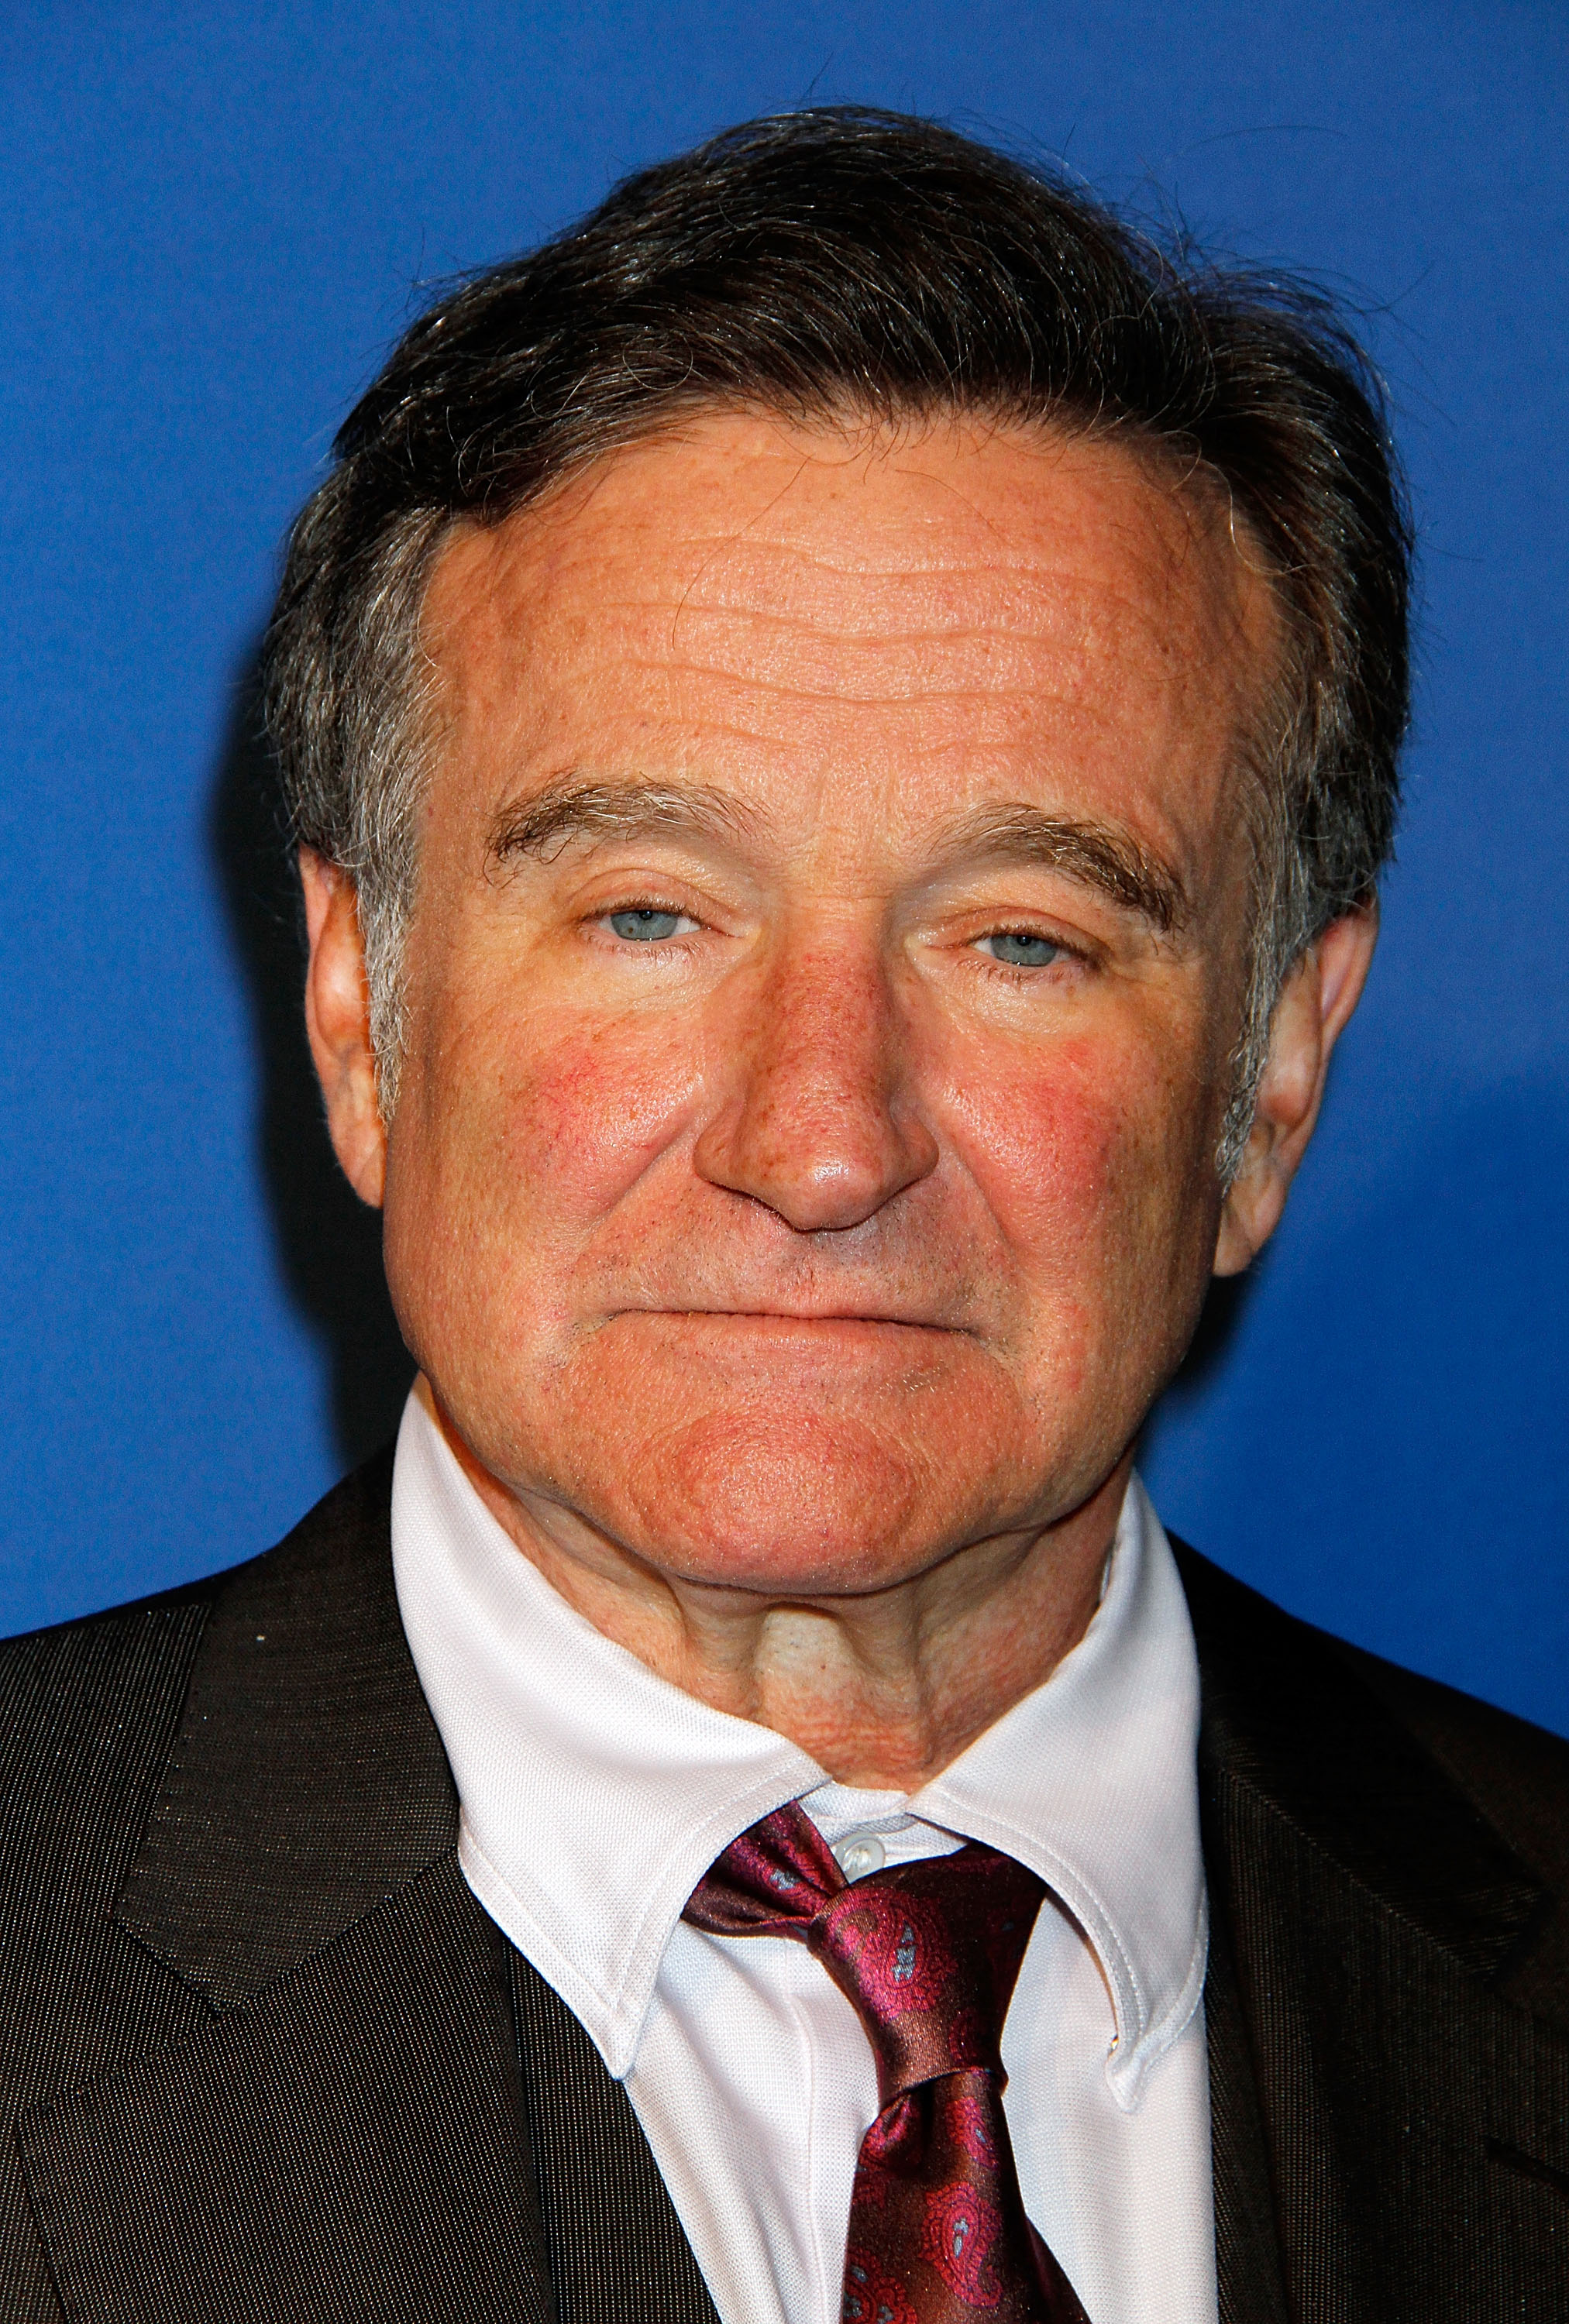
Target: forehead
902, 618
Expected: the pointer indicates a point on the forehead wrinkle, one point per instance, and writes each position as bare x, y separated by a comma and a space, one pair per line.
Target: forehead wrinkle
1029, 615
934, 694
782, 581
723, 548
878, 636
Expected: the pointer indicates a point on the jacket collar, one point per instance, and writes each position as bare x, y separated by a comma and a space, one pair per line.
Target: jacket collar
347, 2137
308, 1783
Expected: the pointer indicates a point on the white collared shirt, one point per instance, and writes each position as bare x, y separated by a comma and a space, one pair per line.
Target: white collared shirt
595, 1795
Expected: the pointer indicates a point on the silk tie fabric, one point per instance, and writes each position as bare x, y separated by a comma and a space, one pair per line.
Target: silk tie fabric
929, 1954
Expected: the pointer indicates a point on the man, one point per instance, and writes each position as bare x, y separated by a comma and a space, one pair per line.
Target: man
841, 721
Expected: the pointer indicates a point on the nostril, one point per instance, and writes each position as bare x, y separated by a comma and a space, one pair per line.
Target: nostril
818, 1174
818, 1122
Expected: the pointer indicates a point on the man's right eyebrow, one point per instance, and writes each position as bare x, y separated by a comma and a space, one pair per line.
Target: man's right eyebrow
571, 809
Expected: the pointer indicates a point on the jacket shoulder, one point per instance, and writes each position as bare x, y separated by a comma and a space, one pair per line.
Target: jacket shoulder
1515, 1775
93, 1717
107, 1688
1512, 1775
332, 1532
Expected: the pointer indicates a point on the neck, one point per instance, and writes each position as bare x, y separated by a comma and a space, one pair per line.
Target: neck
883, 1688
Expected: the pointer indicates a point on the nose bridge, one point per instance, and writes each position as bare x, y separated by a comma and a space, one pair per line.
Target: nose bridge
826, 1035
819, 1124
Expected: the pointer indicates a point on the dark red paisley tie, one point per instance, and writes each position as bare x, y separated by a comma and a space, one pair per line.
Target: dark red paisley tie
928, 1953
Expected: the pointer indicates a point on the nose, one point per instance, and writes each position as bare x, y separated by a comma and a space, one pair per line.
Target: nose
814, 1120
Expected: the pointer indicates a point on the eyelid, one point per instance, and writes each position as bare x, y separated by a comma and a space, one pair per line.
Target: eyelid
640, 890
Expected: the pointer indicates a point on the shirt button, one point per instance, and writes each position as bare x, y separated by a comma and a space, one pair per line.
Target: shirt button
859, 1853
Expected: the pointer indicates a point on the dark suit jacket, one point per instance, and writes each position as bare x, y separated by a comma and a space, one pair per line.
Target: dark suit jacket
266, 2061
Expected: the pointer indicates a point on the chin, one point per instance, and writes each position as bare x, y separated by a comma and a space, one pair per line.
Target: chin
785, 1504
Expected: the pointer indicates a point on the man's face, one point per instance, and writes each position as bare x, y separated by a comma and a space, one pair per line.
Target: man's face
827, 957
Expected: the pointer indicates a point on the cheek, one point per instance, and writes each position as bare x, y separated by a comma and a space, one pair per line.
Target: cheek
1083, 1157
1043, 1140
586, 1115
520, 1138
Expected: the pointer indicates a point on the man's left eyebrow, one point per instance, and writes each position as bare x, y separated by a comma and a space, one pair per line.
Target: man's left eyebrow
591, 810
1103, 855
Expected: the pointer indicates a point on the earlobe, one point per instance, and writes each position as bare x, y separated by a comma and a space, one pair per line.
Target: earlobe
1314, 1006
338, 1026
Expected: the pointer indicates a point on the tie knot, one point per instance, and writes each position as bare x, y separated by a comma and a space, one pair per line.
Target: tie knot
928, 1953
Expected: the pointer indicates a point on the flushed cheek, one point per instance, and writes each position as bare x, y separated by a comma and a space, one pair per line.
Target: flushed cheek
593, 1111
566, 1116
1086, 1167
514, 1157
1048, 1148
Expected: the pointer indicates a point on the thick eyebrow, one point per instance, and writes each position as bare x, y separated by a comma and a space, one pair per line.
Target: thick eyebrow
1103, 855
572, 809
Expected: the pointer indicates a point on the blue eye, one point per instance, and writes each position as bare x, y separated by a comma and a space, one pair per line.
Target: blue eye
1016, 948
644, 925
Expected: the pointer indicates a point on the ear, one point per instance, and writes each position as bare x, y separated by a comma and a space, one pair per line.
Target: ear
1314, 1006
338, 1021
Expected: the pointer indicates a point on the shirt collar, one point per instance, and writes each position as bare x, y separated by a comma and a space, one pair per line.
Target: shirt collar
1091, 1781
595, 1795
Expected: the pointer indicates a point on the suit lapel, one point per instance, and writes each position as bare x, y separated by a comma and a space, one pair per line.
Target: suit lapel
346, 2138
1369, 1910
349, 2144
618, 2252
1248, 2262
308, 1783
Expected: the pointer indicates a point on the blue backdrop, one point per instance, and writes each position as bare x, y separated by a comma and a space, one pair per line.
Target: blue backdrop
215, 219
